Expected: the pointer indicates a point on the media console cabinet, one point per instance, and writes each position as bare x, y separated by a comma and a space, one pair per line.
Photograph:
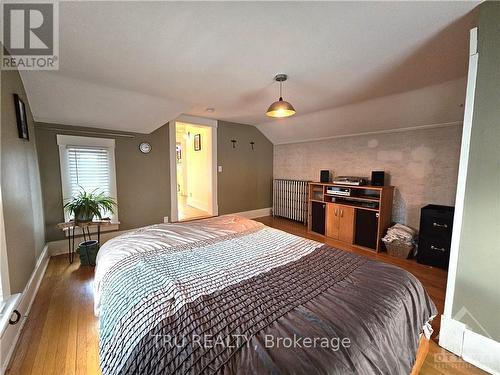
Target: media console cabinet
359, 219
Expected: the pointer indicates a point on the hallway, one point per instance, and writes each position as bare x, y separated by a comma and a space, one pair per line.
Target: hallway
186, 212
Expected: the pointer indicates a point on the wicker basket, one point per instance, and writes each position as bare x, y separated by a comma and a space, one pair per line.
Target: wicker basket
398, 248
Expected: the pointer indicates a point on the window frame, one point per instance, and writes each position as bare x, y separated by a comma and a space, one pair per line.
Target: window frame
63, 141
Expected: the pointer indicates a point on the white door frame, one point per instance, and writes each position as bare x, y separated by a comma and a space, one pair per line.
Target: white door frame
173, 167
462, 174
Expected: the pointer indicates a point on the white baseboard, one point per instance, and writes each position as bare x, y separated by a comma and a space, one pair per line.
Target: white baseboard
481, 351
451, 335
476, 349
11, 334
253, 214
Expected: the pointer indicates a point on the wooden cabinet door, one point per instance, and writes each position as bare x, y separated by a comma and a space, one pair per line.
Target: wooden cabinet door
332, 220
346, 224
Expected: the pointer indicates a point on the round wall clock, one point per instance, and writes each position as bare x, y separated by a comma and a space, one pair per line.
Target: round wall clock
145, 147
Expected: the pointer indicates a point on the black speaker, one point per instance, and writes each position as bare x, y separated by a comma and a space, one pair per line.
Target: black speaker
324, 176
378, 178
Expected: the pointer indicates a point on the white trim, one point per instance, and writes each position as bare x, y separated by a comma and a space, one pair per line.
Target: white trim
173, 171
215, 175
11, 334
253, 214
213, 209
473, 41
462, 179
387, 131
195, 120
455, 336
476, 349
6, 311
481, 351
451, 335
76, 140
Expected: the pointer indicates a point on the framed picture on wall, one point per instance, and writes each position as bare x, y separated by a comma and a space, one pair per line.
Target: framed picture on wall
197, 142
22, 120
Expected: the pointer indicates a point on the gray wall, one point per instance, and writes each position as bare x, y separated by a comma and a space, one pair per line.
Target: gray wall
21, 195
246, 179
143, 182
477, 287
422, 164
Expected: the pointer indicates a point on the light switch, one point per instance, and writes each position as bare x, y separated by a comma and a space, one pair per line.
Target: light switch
219, 168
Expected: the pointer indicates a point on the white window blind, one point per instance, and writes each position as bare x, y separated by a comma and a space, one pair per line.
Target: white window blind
87, 164
88, 169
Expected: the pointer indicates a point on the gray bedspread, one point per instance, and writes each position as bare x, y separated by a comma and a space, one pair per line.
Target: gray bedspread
259, 301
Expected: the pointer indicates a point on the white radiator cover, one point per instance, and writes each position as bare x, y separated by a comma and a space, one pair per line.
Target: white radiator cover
290, 199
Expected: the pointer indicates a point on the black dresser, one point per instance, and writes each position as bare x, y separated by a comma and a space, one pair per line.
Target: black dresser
436, 224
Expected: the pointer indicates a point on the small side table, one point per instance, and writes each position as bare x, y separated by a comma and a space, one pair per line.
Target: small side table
70, 227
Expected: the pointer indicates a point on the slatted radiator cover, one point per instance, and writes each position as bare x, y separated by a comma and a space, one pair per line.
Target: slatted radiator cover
290, 199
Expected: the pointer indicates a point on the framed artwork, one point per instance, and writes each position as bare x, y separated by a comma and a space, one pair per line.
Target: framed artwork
22, 120
197, 142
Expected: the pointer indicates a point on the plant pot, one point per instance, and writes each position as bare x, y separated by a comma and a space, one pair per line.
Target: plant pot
84, 218
88, 252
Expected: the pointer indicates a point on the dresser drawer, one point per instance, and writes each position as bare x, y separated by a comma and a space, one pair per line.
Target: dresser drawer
439, 226
433, 252
436, 221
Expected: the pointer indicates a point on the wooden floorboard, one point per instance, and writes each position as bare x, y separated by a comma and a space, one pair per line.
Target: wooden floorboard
61, 337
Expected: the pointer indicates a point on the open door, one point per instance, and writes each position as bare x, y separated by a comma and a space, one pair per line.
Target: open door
193, 168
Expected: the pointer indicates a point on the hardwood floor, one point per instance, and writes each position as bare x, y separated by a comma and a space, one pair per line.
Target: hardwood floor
187, 212
60, 335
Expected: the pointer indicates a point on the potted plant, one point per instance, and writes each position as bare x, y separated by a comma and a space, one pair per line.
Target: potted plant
85, 206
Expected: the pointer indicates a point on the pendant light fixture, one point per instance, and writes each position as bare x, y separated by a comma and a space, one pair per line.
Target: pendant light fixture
280, 108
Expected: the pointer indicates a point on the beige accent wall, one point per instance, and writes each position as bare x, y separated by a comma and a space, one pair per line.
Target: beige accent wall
245, 182
421, 164
477, 287
20, 184
143, 182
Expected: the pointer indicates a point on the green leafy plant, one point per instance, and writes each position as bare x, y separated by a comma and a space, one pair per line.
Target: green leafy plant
87, 205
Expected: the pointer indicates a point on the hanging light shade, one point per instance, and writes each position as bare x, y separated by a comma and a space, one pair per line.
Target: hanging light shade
280, 108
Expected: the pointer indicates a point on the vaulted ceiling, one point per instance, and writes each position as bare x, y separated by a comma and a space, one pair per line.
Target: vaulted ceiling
136, 65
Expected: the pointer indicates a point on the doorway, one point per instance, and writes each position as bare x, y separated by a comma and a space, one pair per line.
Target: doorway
193, 184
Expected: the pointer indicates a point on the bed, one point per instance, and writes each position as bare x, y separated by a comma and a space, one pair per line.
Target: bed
230, 295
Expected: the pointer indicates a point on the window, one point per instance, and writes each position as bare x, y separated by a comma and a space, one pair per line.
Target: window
89, 164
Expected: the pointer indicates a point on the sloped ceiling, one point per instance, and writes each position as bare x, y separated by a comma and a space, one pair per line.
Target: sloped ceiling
136, 65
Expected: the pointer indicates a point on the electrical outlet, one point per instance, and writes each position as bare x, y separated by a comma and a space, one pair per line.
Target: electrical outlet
165, 219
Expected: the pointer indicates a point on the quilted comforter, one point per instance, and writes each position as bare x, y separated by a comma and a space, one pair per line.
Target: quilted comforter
230, 295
